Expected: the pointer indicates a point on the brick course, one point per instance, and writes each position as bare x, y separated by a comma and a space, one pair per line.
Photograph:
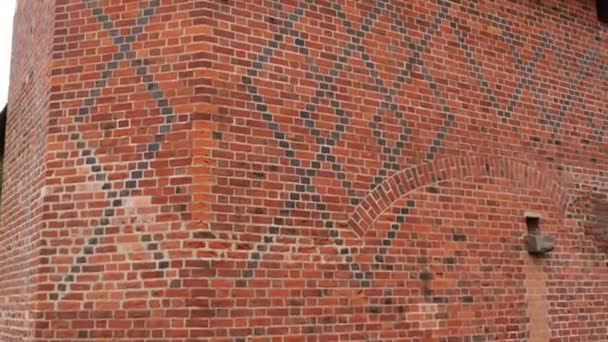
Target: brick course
24, 169
231, 170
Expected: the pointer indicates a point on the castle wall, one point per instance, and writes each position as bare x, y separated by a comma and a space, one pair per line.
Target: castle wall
24, 170
302, 170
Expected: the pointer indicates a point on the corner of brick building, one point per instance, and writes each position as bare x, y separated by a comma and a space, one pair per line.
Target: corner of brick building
239, 170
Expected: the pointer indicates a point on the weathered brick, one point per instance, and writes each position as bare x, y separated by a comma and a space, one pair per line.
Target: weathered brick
235, 170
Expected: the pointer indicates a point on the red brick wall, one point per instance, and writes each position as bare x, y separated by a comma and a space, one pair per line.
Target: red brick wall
318, 171
21, 232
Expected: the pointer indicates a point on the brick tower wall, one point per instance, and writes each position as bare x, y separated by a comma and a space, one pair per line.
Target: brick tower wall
21, 229
303, 170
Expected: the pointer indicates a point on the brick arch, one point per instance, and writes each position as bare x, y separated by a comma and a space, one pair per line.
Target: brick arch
410, 179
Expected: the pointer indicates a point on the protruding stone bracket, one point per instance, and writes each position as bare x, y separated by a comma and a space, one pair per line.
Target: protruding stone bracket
537, 243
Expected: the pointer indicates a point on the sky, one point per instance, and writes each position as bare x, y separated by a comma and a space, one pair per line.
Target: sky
7, 11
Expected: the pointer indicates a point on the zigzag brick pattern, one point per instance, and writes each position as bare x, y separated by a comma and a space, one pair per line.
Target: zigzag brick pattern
231, 170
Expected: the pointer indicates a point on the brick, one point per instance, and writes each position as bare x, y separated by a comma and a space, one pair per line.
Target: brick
304, 171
